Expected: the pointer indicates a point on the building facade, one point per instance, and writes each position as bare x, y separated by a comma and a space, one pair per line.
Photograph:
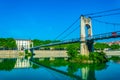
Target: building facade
113, 42
23, 44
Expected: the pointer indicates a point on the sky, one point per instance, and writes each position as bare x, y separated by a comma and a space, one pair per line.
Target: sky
46, 19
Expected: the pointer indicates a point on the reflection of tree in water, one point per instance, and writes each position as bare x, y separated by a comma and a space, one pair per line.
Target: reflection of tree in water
7, 64
55, 63
72, 68
34, 66
87, 70
115, 59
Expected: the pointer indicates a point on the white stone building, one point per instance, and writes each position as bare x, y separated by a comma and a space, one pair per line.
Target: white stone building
23, 44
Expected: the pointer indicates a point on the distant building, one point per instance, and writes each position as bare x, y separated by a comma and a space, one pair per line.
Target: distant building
23, 44
115, 42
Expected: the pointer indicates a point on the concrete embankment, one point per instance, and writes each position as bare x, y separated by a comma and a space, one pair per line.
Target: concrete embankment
8, 53
50, 53
63, 53
38, 53
46, 53
112, 53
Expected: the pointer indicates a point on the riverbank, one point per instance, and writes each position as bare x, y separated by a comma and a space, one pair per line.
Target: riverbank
47, 53
8, 53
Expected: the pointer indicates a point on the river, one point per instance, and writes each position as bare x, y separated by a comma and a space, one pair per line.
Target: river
23, 68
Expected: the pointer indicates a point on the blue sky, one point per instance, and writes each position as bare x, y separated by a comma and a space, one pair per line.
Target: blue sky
46, 19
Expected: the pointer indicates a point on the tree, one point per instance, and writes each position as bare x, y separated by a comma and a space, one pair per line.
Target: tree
7, 43
47, 41
11, 44
37, 42
72, 51
2, 43
98, 57
101, 46
114, 46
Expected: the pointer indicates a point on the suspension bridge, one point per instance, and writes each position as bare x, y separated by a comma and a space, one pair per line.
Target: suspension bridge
86, 38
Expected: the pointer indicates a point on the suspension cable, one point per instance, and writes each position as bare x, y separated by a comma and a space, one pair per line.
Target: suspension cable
106, 15
67, 28
70, 32
102, 12
106, 22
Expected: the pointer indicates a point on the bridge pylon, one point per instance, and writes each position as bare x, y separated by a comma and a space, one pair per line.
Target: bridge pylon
85, 31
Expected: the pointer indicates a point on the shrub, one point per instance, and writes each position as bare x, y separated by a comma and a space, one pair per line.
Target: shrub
72, 51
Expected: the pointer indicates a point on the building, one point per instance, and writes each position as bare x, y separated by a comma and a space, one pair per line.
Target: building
114, 42
23, 44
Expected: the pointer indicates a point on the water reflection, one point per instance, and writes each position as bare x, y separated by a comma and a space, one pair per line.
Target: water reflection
76, 71
7, 64
22, 63
55, 70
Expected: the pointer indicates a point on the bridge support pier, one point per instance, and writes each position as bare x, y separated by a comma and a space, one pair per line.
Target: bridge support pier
84, 49
85, 46
90, 45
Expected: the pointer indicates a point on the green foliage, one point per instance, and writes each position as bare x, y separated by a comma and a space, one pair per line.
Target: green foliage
37, 42
83, 57
26, 51
7, 43
115, 46
72, 51
72, 68
27, 54
35, 66
21, 53
115, 58
55, 63
95, 57
7, 64
101, 46
98, 57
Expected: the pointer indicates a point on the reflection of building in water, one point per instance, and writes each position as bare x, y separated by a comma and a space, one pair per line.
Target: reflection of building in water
23, 44
22, 63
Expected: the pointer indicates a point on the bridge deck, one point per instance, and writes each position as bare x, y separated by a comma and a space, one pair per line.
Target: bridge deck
59, 71
93, 38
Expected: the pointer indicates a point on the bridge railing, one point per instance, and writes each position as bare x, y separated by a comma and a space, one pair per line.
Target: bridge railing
61, 42
94, 37
104, 36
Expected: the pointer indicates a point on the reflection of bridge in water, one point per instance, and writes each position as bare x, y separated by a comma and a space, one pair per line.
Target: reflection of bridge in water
86, 73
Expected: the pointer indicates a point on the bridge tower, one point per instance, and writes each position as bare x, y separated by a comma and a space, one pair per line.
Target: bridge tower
85, 31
